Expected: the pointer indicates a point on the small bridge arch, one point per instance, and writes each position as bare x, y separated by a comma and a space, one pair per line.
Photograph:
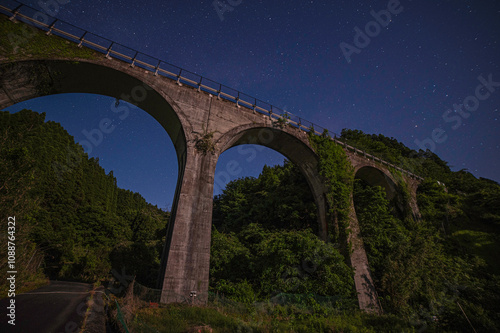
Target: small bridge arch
378, 177
292, 144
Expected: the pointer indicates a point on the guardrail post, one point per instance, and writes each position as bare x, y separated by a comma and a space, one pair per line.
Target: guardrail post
199, 84
81, 39
157, 68
49, 32
179, 78
237, 100
133, 59
109, 50
15, 12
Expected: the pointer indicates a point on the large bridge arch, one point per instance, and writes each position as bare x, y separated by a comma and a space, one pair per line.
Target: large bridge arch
294, 145
28, 79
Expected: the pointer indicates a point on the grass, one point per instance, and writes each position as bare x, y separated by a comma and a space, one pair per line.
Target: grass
177, 318
21, 41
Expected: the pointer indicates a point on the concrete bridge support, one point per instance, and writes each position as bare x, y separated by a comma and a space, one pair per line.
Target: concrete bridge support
186, 256
367, 295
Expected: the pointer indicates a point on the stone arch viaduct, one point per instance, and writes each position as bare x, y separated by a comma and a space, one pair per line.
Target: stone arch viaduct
202, 125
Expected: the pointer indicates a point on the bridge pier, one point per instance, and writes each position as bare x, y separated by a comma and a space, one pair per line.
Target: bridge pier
186, 255
367, 294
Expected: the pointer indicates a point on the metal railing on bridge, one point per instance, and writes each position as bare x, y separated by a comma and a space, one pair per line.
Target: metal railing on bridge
111, 49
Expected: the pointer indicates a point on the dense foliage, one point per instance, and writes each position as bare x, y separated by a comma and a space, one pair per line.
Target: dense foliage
264, 241
278, 199
441, 268
72, 211
338, 174
407, 259
438, 271
22, 41
423, 163
226, 316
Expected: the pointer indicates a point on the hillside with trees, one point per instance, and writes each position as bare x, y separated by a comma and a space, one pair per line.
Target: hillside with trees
433, 272
73, 222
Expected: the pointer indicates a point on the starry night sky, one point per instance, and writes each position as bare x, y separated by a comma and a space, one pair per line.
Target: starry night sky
424, 62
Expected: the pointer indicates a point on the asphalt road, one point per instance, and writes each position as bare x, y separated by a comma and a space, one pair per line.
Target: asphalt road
56, 308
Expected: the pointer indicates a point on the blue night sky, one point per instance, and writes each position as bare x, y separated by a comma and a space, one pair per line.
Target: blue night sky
407, 81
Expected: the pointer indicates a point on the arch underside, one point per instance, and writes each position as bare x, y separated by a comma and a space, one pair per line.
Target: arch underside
24, 80
294, 149
375, 177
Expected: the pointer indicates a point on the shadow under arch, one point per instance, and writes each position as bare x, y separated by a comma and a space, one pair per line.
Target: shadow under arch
375, 177
27, 79
293, 148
